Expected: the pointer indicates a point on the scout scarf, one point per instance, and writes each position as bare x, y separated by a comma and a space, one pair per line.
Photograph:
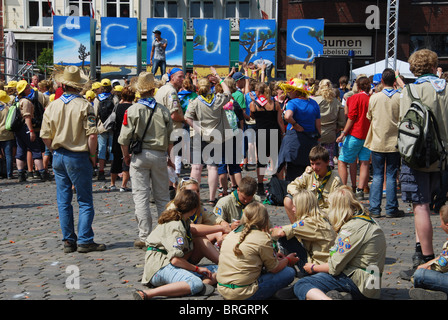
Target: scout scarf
194, 218
149, 102
103, 96
208, 100
235, 194
262, 101
360, 215
389, 92
325, 179
67, 97
187, 229
437, 83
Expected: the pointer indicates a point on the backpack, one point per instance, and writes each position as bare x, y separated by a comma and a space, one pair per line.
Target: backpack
419, 141
38, 111
276, 191
14, 119
106, 107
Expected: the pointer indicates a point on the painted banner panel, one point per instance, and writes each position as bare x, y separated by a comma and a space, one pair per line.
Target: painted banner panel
74, 42
211, 46
120, 47
174, 31
258, 44
305, 38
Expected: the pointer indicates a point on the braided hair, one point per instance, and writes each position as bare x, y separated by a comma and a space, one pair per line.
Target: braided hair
255, 217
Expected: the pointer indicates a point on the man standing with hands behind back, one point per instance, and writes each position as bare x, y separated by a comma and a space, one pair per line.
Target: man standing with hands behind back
158, 58
69, 130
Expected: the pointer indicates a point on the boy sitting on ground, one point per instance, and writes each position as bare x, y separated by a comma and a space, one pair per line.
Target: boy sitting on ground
318, 178
230, 208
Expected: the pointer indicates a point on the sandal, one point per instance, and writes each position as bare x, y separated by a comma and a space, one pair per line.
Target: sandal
213, 202
138, 296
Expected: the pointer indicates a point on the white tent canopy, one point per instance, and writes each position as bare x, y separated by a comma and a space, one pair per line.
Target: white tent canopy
378, 67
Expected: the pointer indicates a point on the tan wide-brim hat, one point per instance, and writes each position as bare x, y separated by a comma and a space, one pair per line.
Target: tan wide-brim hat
145, 82
72, 77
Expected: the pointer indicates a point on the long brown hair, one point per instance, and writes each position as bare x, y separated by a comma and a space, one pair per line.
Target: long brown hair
185, 201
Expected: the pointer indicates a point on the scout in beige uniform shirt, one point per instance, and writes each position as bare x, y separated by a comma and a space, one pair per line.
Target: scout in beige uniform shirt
202, 217
166, 241
322, 187
158, 133
383, 130
316, 237
229, 208
167, 96
61, 124
244, 270
360, 245
332, 118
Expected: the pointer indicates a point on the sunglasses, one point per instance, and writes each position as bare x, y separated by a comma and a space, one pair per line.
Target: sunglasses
186, 179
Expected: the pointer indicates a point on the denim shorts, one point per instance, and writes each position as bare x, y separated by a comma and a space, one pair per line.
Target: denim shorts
418, 186
353, 148
171, 274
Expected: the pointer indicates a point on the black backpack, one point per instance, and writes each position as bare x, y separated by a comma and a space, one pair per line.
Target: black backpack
276, 191
38, 111
106, 107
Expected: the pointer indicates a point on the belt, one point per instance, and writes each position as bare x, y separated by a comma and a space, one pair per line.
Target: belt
232, 286
157, 249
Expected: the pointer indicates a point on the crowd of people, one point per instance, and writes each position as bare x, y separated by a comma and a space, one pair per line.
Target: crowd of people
159, 135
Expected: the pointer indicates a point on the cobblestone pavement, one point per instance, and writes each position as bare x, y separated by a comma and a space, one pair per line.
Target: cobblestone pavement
33, 265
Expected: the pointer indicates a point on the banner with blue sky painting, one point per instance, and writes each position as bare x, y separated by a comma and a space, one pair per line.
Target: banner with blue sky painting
305, 41
74, 42
120, 47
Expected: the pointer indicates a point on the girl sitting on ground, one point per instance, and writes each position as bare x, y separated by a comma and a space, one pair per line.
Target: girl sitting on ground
170, 246
249, 268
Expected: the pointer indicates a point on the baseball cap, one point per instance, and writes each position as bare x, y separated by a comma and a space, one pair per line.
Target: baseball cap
21, 86
238, 76
106, 83
157, 32
96, 85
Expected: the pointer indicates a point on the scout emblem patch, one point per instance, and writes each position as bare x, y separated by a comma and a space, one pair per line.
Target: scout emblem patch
218, 211
180, 241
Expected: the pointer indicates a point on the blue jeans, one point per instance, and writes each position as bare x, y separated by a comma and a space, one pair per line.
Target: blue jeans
105, 141
269, 283
326, 282
172, 274
392, 162
7, 146
158, 64
431, 280
74, 169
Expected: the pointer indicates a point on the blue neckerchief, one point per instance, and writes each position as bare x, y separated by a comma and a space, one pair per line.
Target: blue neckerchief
103, 96
208, 103
66, 98
437, 83
47, 93
2, 106
389, 92
183, 93
149, 102
31, 95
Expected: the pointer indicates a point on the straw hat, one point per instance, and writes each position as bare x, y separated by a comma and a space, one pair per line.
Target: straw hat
145, 82
72, 77
4, 97
295, 85
21, 86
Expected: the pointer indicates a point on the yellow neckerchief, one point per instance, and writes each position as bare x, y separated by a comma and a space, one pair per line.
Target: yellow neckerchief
325, 179
361, 215
208, 99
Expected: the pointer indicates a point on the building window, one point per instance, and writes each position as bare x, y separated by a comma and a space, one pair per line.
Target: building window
82, 8
165, 9
237, 9
118, 8
201, 9
435, 42
39, 13
30, 50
